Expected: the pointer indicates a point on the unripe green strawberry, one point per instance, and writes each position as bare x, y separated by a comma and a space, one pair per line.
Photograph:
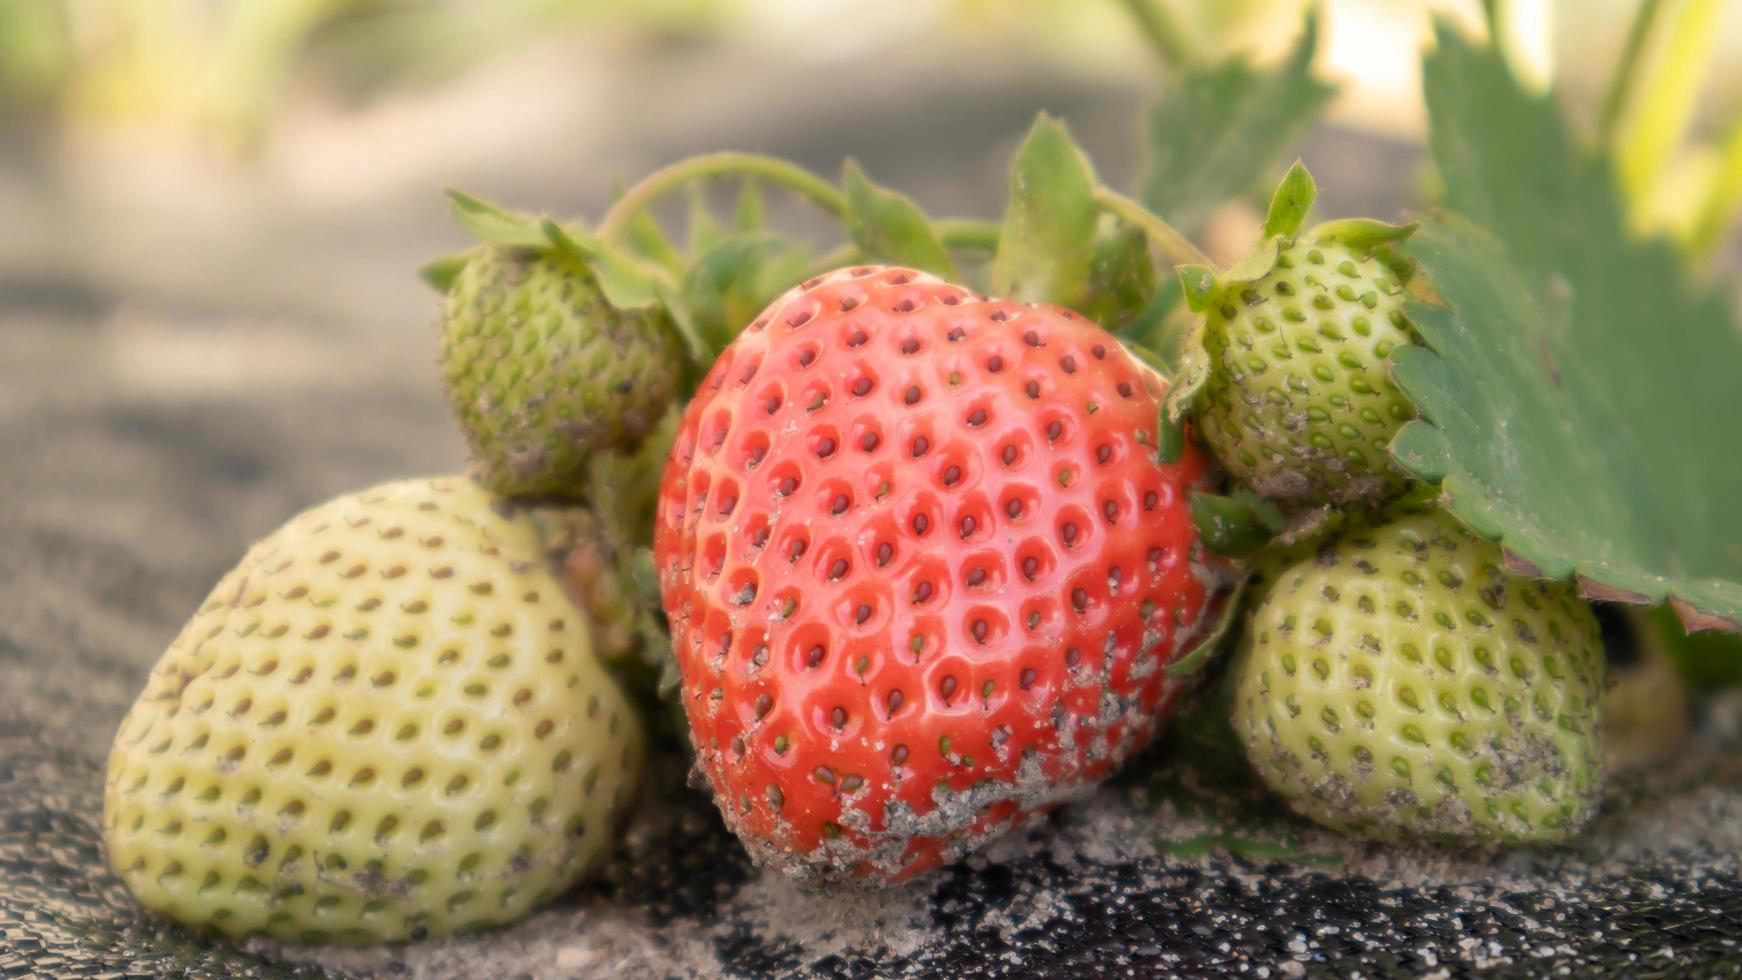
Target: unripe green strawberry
1401, 684
543, 371
1287, 373
386, 723
1299, 405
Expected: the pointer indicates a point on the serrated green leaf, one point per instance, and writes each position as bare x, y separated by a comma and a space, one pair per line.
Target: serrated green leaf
1291, 203
493, 225
1121, 279
889, 227
1047, 244
1225, 127
1588, 445
1588, 402
1423, 450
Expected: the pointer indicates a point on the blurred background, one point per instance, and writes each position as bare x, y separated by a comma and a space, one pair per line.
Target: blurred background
211, 210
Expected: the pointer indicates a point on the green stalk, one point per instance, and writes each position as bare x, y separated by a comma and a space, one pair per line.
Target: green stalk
968, 233
1724, 202
1162, 31
772, 169
1177, 247
1621, 83
1666, 104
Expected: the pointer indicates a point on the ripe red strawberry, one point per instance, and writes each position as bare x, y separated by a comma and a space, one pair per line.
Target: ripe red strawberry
923, 568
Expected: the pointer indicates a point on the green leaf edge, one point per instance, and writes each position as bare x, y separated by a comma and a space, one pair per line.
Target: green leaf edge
1421, 448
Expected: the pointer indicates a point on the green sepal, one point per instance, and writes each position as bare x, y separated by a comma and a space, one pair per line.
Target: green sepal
1199, 654
751, 215
705, 230
1046, 246
1122, 279
644, 573
568, 241
1170, 436
715, 286
626, 283
1236, 525
1256, 265
440, 272
1292, 201
733, 281
1188, 380
1198, 282
1361, 234
700, 353
647, 238
890, 227
493, 225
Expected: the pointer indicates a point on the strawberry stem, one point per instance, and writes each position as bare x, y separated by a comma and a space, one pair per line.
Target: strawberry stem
964, 233
968, 233
1165, 36
1176, 246
772, 169
1621, 83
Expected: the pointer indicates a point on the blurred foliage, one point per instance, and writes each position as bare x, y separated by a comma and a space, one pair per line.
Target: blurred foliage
1677, 184
1200, 30
214, 72
1225, 128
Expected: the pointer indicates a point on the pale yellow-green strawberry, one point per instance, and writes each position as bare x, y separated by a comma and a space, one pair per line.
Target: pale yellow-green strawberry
1399, 683
386, 723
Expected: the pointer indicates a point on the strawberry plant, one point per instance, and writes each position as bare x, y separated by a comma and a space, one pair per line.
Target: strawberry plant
927, 531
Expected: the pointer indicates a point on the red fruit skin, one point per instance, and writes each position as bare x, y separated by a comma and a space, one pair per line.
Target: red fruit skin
923, 570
